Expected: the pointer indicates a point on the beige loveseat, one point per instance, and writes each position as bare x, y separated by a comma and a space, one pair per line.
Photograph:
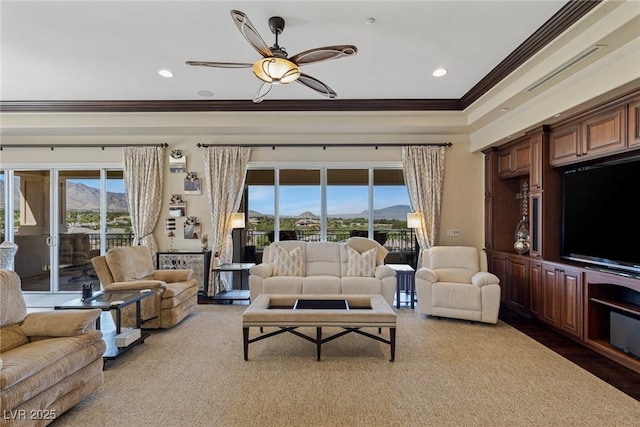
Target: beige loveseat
175, 293
453, 282
49, 360
352, 267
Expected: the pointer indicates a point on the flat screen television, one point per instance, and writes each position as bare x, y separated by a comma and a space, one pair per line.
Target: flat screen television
600, 219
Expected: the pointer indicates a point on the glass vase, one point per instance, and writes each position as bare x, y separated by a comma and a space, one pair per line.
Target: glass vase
522, 237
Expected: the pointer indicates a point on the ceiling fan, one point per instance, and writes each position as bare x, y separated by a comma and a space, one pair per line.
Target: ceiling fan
276, 67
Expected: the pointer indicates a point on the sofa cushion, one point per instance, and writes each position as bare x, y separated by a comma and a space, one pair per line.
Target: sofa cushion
362, 285
454, 257
288, 263
288, 245
59, 323
362, 244
282, 285
361, 264
11, 337
322, 259
13, 306
130, 263
321, 285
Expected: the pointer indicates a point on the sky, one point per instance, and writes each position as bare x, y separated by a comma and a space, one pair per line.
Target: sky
340, 199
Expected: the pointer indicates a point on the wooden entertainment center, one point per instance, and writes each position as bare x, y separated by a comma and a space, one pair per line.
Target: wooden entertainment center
573, 298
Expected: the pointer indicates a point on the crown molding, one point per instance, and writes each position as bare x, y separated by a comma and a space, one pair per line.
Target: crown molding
569, 14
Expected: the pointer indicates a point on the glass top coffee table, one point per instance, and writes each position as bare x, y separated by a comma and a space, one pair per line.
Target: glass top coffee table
107, 301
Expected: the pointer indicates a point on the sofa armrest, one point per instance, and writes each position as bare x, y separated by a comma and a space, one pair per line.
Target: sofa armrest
263, 270
173, 275
483, 278
427, 274
383, 271
136, 285
59, 323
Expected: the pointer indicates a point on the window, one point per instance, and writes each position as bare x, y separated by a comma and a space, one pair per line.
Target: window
329, 204
347, 203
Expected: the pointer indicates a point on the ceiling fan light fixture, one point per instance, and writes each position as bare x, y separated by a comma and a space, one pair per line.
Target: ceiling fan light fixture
276, 70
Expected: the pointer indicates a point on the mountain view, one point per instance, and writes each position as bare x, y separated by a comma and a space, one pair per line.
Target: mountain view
80, 197
396, 212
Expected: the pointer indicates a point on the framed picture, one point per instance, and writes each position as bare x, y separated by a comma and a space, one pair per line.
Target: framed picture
192, 184
177, 162
177, 210
192, 228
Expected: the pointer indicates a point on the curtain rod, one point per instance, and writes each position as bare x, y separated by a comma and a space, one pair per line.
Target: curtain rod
102, 146
324, 146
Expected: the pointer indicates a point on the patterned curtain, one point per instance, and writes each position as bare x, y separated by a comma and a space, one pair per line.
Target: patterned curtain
225, 170
423, 170
143, 179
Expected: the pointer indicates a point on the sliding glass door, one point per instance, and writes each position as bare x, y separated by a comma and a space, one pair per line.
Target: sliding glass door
62, 219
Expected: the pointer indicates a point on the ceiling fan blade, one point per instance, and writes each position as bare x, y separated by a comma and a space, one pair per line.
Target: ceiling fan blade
323, 54
220, 64
263, 90
250, 33
316, 85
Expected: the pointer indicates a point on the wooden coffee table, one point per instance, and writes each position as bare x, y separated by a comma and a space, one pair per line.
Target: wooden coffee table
277, 311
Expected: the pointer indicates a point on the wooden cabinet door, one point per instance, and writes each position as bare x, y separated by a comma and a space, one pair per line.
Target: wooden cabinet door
505, 168
518, 269
565, 145
535, 288
521, 158
536, 166
634, 125
499, 267
550, 300
604, 133
514, 160
570, 288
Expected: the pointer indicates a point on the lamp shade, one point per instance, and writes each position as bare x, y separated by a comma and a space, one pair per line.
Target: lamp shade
414, 220
276, 70
237, 220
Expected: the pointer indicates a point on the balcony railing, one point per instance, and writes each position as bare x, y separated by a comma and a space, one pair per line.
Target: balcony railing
400, 243
114, 240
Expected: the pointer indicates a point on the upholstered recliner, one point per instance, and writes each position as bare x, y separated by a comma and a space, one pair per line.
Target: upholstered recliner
49, 360
175, 293
453, 282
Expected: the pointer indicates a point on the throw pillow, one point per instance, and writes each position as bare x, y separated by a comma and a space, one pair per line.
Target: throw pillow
361, 264
288, 263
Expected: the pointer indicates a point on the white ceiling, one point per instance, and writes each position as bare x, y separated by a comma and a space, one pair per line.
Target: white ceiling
112, 50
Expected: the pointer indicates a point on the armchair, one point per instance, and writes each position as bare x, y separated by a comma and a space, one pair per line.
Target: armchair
453, 282
49, 360
131, 268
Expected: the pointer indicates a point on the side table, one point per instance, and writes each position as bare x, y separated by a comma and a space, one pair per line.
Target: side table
233, 294
107, 301
405, 279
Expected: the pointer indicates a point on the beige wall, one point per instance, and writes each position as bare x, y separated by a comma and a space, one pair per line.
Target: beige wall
462, 201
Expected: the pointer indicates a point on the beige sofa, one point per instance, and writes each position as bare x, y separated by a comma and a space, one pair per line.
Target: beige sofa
49, 360
453, 282
175, 293
295, 267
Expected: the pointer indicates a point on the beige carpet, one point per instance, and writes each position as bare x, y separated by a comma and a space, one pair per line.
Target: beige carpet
446, 373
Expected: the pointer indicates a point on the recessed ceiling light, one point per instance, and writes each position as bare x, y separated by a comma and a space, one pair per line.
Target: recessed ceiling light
504, 109
557, 115
439, 72
370, 21
205, 93
165, 73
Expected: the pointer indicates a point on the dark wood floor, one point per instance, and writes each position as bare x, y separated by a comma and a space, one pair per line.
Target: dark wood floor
620, 377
